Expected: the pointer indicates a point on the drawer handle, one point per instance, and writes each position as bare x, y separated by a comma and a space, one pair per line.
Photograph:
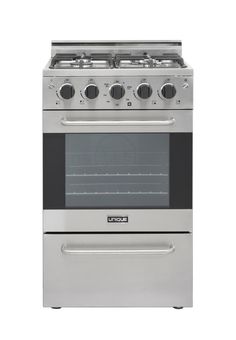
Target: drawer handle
69, 250
167, 122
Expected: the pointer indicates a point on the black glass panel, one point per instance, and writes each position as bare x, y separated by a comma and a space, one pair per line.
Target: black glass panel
117, 170
130, 168
53, 171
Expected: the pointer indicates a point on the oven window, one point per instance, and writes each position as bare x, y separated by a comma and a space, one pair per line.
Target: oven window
117, 170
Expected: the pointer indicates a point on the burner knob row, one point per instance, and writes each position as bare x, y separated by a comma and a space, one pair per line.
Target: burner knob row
117, 91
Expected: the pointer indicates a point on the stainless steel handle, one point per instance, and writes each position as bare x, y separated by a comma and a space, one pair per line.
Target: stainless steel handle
72, 250
167, 122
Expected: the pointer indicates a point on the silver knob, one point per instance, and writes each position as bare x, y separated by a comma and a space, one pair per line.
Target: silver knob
144, 90
66, 91
168, 91
117, 91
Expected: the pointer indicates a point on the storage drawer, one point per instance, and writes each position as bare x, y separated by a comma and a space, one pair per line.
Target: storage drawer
117, 270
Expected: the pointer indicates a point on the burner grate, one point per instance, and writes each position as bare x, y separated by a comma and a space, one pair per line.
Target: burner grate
106, 60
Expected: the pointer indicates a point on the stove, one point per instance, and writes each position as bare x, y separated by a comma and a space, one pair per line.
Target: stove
117, 174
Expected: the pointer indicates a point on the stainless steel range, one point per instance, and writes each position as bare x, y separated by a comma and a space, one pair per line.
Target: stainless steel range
117, 174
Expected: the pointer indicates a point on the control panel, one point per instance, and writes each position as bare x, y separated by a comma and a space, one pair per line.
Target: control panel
152, 92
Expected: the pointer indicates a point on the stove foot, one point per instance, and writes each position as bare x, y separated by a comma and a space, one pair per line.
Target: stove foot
178, 307
56, 307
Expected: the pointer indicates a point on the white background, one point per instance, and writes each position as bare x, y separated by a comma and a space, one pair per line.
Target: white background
207, 29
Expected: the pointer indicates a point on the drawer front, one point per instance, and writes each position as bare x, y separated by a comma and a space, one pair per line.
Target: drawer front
117, 270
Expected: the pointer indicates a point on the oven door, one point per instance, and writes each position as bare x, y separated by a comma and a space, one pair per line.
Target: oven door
130, 174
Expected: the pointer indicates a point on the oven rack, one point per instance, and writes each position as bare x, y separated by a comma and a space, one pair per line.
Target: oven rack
117, 174
117, 193
115, 165
119, 188
117, 158
112, 152
118, 170
115, 183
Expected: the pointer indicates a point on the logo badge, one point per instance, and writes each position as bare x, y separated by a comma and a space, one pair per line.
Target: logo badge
117, 219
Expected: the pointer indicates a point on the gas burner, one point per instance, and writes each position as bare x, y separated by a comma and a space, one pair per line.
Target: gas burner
148, 63
93, 61
166, 63
82, 64
137, 63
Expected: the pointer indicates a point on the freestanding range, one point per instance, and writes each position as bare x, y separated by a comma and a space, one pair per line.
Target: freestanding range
117, 174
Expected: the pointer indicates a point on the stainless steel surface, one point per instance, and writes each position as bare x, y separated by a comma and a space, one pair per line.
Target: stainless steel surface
149, 220
151, 46
76, 250
124, 279
182, 100
117, 122
52, 121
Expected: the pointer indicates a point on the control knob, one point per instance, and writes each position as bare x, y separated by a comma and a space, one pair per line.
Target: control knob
91, 91
144, 91
168, 91
66, 91
117, 91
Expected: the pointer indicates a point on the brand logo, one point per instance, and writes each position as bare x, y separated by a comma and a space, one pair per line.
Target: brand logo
117, 219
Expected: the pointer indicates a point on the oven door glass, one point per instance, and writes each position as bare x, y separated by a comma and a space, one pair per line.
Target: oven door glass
117, 170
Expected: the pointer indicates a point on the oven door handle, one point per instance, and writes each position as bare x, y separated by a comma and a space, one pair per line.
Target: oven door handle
72, 250
167, 122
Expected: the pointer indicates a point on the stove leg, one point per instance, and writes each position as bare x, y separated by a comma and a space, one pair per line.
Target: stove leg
56, 307
178, 307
